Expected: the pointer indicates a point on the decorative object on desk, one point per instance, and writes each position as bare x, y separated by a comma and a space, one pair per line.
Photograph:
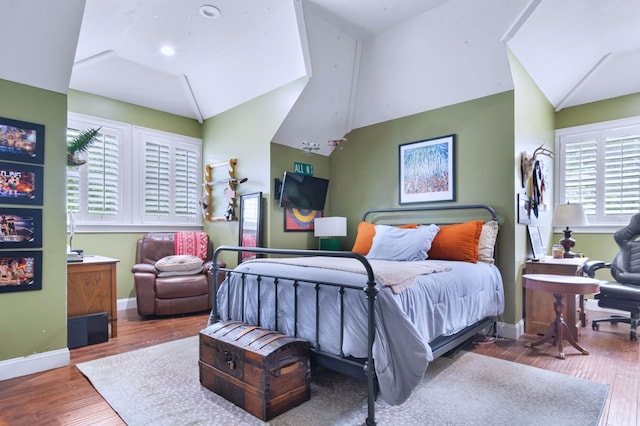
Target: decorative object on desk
537, 248
21, 141
557, 251
20, 228
327, 228
80, 143
524, 209
22, 182
296, 219
20, 271
427, 170
250, 223
564, 216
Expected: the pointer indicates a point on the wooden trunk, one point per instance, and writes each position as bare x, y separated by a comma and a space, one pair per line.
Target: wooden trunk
262, 371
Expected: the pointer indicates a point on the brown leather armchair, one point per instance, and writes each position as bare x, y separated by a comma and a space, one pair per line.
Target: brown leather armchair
173, 294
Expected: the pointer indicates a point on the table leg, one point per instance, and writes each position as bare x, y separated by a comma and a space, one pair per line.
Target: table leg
559, 329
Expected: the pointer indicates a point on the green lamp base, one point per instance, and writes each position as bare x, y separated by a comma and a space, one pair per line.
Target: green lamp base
332, 244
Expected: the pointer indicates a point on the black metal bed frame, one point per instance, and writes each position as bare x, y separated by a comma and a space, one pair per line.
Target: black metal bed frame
361, 368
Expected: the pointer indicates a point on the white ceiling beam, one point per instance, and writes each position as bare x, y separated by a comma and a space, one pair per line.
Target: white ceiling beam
94, 60
582, 81
520, 21
191, 97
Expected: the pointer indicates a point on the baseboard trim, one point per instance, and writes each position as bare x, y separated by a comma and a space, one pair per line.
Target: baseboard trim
17, 367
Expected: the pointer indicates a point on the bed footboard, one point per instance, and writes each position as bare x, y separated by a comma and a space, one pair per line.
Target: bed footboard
360, 368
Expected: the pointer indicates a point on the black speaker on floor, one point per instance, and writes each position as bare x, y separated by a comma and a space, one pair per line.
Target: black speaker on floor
87, 330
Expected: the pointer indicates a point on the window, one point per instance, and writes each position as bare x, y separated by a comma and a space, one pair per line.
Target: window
598, 165
134, 178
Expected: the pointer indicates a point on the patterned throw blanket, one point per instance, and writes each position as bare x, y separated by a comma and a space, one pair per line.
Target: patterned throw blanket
192, 243
397, 275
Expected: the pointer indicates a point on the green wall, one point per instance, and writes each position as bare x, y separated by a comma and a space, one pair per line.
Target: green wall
364, 175
245, 132
282, 159
35, 321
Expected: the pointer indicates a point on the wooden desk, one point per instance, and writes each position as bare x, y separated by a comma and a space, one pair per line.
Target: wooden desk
560, 286
536, 305
92, 288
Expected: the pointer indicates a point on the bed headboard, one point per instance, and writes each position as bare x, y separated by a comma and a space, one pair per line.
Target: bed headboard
440, 215
446, 248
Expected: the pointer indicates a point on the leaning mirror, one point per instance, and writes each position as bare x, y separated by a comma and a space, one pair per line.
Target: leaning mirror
250, 231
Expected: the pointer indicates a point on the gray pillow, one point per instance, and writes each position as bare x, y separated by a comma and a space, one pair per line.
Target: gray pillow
392, 243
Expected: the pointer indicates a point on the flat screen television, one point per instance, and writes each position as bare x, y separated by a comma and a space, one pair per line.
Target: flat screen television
303, 192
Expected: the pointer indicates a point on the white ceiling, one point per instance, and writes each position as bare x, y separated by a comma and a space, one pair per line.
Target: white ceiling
366, 61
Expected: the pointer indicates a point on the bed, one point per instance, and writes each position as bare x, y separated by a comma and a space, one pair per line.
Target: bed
380, 312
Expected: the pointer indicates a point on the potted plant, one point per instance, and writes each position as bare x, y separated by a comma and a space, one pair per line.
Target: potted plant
80, 144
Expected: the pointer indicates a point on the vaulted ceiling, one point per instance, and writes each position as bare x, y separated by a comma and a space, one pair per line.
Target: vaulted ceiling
365, 61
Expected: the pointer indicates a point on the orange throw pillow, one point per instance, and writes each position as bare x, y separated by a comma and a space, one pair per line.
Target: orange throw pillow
457, 242
364, 237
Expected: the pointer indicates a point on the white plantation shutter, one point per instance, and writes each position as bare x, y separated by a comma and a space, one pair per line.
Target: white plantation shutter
103, 176
134, 177
622, 175
157, 180
187, 180
172, 182
599, 166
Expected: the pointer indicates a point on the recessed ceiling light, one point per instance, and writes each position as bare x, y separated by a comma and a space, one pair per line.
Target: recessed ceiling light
167, 50
209, 11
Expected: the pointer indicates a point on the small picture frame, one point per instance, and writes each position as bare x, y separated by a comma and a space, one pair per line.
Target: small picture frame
20, 184
21, 141
427, 170
300, 220
524, 209
20, 271
537, 247
20, 228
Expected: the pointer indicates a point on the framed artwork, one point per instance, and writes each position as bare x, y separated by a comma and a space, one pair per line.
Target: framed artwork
537, 248
20, 228
524, 209
20, 184
20, 271
427, 170
300, 219
21, 141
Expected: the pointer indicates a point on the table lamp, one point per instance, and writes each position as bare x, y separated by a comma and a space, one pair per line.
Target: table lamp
566, 215
328, 227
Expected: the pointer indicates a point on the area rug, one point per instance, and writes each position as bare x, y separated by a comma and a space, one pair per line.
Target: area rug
160, 385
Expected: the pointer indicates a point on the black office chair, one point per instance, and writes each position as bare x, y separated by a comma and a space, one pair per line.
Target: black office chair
624, 293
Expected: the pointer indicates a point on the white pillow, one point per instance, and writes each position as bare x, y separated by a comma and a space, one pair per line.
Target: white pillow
179, 262
392, 243
487, 242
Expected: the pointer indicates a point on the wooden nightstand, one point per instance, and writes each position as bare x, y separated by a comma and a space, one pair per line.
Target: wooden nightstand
537, 313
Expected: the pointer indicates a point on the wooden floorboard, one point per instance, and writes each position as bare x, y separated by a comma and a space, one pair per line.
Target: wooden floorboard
63, 396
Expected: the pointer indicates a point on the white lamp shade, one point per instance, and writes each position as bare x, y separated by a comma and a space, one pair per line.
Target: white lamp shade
334, 226
569, 215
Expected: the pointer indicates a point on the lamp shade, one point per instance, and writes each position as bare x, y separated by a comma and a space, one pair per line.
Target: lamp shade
569, 215
334, 226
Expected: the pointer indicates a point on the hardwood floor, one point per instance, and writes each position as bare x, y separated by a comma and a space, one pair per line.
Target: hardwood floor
63, 396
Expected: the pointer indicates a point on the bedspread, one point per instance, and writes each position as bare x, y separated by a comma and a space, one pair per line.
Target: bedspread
436, 304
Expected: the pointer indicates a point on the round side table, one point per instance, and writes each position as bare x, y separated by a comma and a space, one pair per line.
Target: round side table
560, 285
